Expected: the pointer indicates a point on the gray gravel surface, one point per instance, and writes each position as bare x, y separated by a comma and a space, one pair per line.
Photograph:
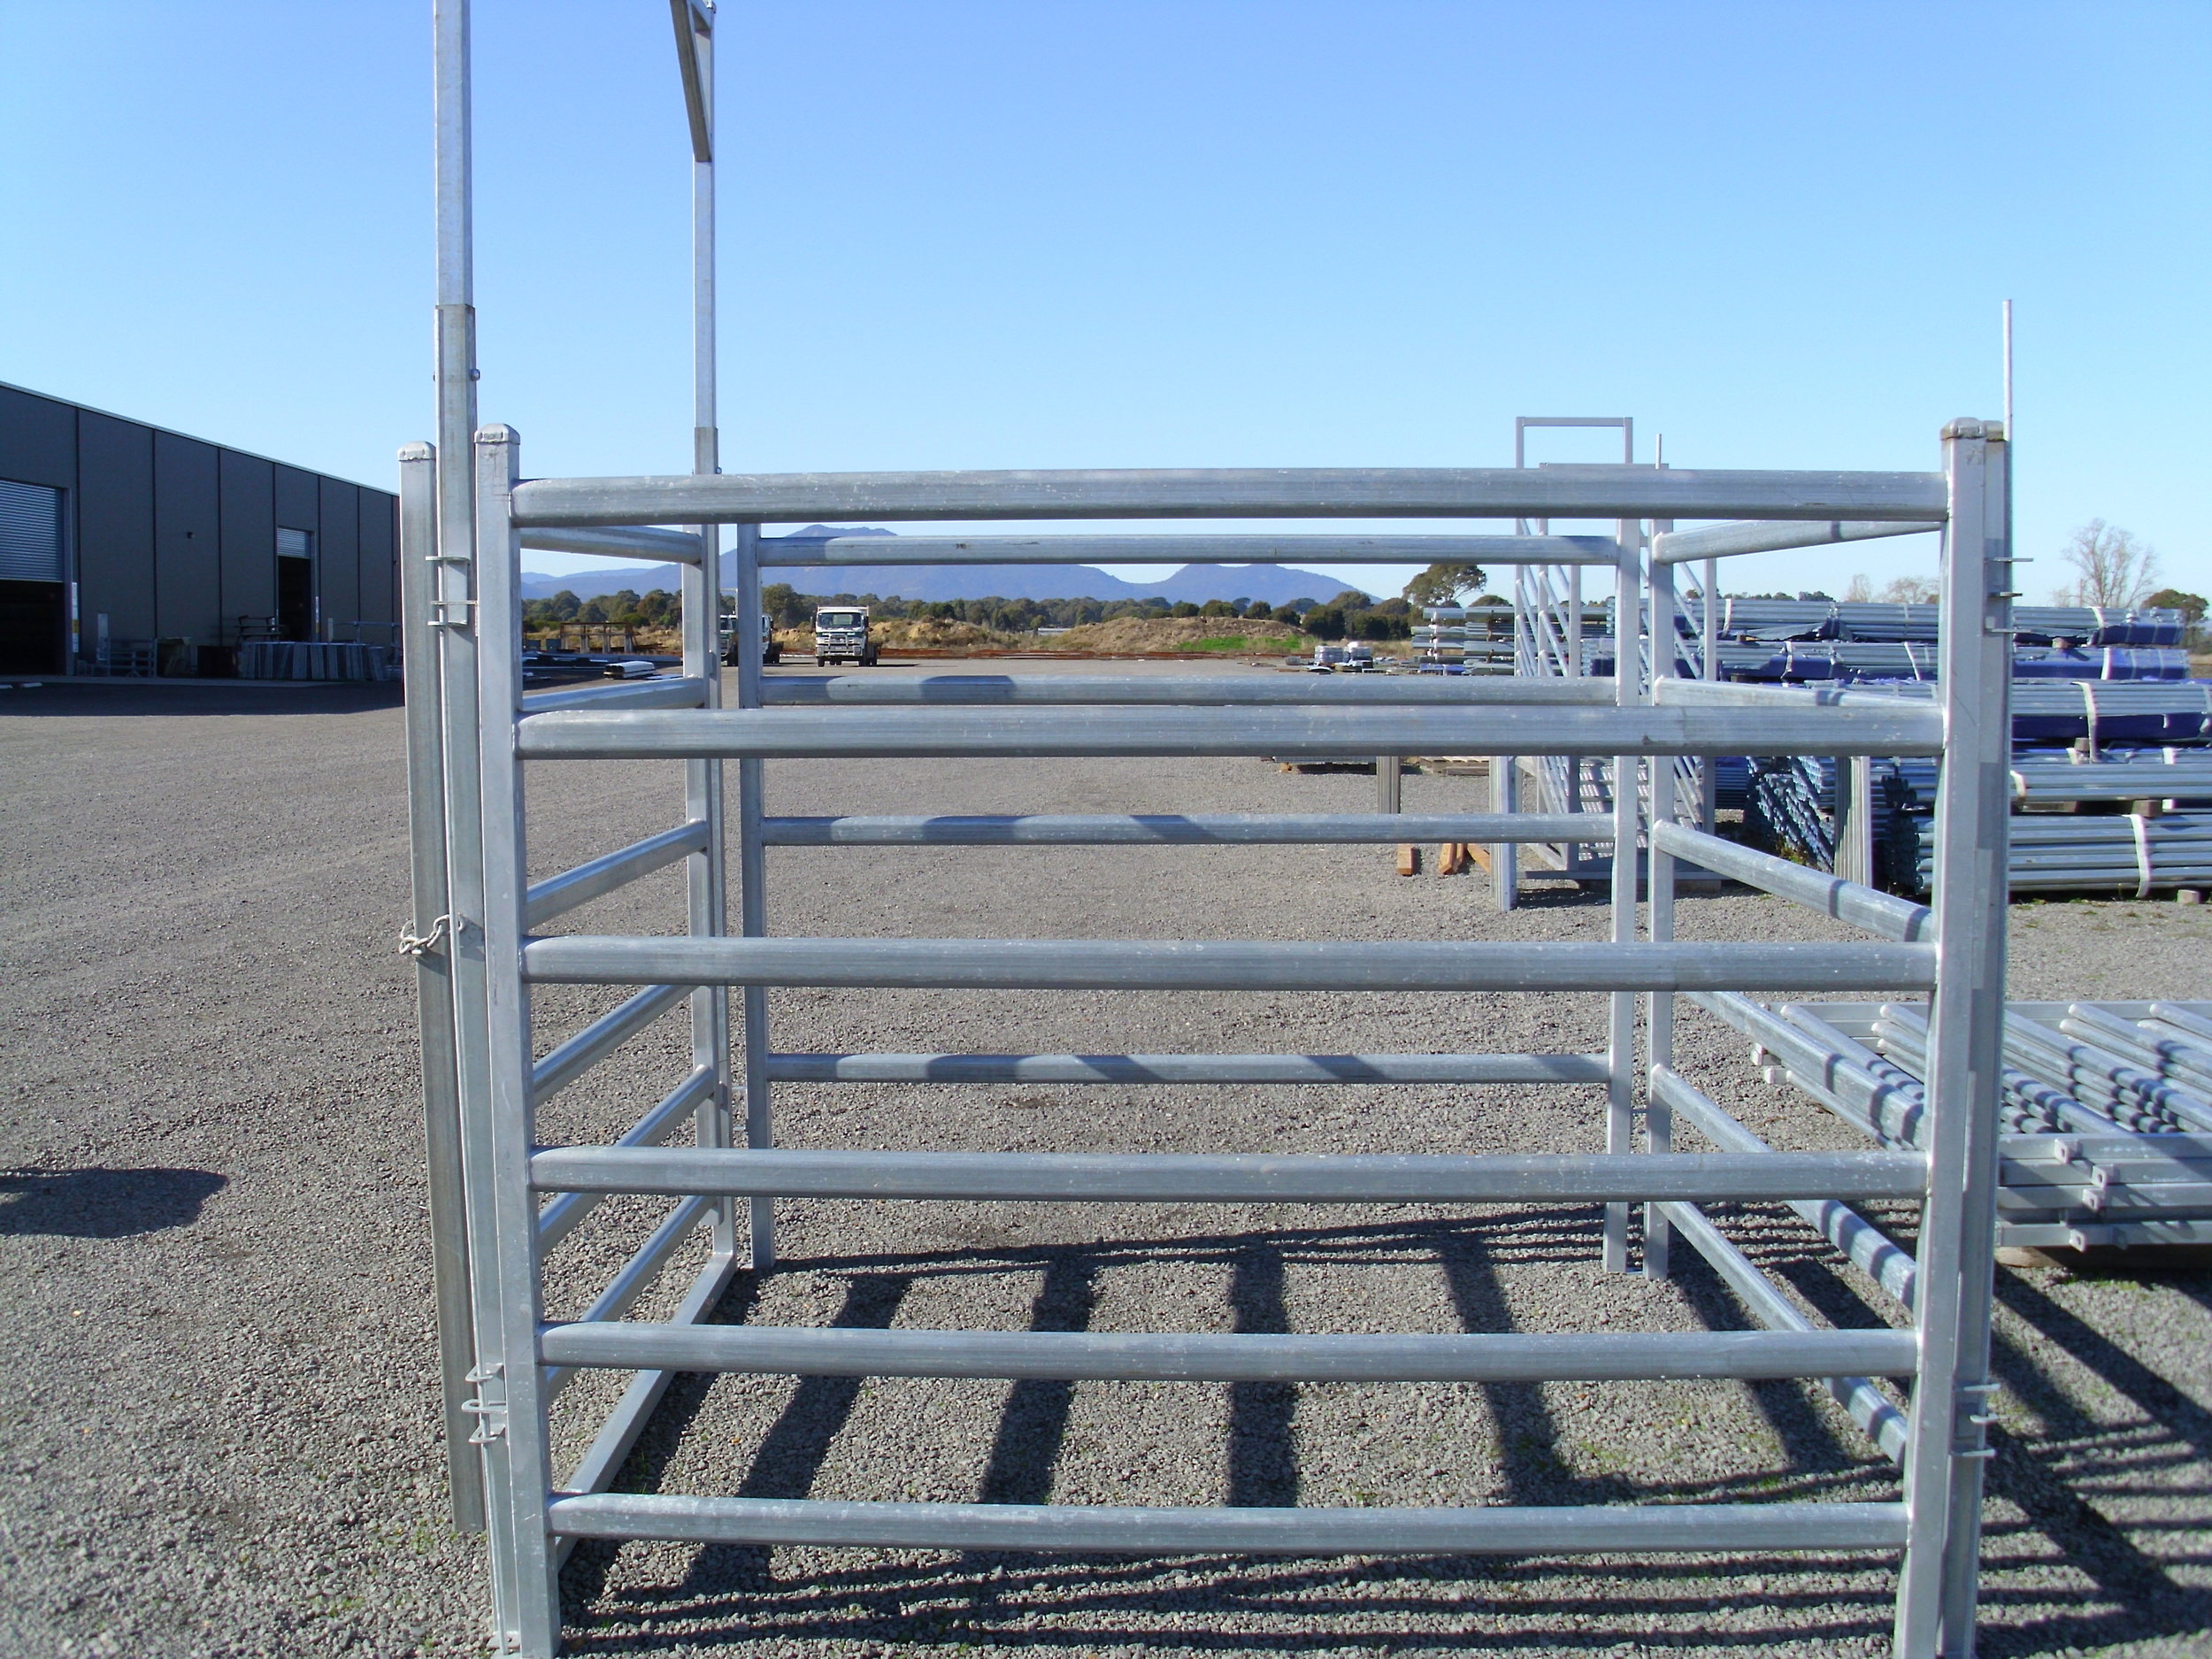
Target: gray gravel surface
217, 1366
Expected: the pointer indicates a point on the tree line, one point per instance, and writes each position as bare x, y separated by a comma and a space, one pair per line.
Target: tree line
1349, 615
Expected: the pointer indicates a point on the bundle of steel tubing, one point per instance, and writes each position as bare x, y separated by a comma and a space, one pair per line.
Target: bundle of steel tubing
1750, 617
2174, 776
2107, 1114
2132, 854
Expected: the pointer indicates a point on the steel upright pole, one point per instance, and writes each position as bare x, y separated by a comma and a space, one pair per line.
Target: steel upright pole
429, 941
1708, 768
752, 879
1620, 1044
511, 1398
1956, 1249
706, 876
1659, 1007
453, 622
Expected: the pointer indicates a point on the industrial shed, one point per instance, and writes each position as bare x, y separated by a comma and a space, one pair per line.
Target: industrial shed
126, 549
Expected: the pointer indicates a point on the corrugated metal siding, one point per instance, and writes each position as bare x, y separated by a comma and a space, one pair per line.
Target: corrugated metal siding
338, 555
380, 559
248, 508
188, 546
38, 439
31, 548
115, 526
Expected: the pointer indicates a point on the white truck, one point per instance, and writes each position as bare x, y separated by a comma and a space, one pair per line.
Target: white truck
840, 635
770, 649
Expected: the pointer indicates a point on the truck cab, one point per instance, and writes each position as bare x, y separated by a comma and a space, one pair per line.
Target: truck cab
771, 651
840, 635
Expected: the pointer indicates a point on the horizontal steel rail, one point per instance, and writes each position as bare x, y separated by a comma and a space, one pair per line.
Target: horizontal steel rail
1096, 1357
1869, 1407
1728, 694
1187, 1067
1862, 1243
559, 1217
1552, 492
1229, 1178
1849, 901
1498, 1530
563, 1065
672, 692
1197, 829
1184, 690
674, 547
785, 552
1725, 540
1900, 728
1223, 965
638, 1275
556, 895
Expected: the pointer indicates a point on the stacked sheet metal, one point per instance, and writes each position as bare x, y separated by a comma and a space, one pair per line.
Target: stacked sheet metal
2106, 1126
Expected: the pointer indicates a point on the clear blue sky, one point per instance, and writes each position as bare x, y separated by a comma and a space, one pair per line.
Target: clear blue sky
1073, 233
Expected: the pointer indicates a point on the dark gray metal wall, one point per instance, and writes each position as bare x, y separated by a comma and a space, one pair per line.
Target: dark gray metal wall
187, 539
175, 537
115, 527
248, 485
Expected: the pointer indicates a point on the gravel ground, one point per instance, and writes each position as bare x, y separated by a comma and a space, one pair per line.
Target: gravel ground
217, 1365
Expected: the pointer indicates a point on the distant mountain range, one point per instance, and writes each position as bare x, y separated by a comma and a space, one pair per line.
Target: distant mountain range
1278, 584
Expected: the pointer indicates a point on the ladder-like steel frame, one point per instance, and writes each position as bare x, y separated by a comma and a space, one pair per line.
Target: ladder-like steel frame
483, 936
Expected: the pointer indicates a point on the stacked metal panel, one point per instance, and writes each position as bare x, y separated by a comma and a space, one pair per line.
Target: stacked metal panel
316, 659
2107, 1113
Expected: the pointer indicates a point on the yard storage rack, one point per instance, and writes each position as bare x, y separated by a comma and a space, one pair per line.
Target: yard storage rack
485, 937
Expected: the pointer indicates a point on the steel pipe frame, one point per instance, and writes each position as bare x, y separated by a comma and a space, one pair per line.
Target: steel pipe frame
1090, 1355
1230, 1177
1851, 901
480, 532
637, 1275
987, 690
428, 804
563, 1065
1874, 1412
1197, 829
1200, 1069
671, 547
562, 1216
1727, 540
556, 895
1219, 964
1905, 728
1563, 492
1564, 1529
789, 552
683, 692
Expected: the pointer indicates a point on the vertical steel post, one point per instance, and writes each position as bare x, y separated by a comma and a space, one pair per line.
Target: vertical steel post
430, 943
1708, 768
1659, 1005
1956, 1253
1505, 857
1620, 1042
705, 871
510, 1387
752, 888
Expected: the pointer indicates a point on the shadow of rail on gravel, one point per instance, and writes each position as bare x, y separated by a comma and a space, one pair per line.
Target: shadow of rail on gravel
1072, 1603
102, 1203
